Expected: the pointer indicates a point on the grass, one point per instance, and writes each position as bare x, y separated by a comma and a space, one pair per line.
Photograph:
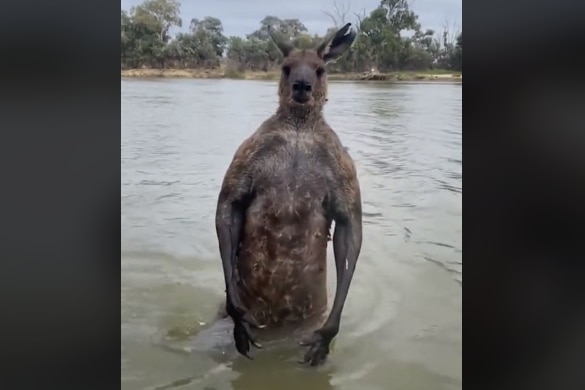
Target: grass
232, 73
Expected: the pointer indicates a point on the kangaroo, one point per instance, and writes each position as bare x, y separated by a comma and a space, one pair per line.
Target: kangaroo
285, 185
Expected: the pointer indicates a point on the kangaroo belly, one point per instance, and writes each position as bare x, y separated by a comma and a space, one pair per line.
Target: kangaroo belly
282, 257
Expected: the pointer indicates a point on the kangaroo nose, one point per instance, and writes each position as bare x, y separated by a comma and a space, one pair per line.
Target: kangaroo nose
301, 86
301, 91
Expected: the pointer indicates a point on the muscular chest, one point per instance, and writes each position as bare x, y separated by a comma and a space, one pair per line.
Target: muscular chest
295, 159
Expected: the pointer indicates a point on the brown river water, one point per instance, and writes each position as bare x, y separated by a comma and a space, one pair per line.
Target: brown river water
401, 327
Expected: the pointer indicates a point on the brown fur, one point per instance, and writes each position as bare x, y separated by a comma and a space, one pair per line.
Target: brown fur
282, 257
291, 178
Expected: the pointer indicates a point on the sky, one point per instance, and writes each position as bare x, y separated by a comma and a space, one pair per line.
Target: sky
241, 17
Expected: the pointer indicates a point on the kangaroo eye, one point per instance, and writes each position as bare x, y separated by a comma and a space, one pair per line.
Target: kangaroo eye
286, 70
320, 71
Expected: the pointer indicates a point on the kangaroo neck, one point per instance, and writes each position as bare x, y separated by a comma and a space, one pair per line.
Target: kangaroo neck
301, 118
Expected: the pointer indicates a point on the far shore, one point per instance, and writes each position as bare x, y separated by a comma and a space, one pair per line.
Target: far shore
220, 73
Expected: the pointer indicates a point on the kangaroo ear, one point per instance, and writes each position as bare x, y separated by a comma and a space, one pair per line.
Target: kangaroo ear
337, 43
284, 47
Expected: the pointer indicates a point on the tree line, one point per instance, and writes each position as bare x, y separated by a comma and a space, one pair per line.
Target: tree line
390, 38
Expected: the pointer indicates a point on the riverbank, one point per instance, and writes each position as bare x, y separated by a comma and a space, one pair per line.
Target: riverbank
221, 73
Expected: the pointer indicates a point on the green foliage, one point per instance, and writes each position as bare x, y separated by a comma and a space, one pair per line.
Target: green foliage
389, 39
210, 31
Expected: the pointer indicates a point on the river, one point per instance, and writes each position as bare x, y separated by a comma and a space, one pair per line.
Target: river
401, 327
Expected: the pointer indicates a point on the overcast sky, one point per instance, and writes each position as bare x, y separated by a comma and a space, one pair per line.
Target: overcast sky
240, 17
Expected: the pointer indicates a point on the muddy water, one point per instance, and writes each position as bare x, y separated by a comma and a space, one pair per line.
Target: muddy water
401, 328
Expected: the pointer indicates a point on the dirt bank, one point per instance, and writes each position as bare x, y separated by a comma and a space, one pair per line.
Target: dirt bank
220, 73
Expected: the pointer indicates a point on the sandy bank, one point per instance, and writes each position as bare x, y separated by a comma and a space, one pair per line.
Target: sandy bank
220, 73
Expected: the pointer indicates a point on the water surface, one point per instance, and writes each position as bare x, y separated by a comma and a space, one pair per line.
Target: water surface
401, 327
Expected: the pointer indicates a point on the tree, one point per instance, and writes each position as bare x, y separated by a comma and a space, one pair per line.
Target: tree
262, 32
381, 42
446, 56
248, 54
339, 13
139, 40
457, 56
160, 15
210, 29
289, 28
292, 28
399, 15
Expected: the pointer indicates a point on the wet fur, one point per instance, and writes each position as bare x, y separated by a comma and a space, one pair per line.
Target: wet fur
285, 185
283, 251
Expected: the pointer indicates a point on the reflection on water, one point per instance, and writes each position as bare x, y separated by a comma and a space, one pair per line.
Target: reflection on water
402, 322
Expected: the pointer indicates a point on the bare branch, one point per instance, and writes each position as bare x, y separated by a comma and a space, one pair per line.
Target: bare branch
449, 33
360, 17
339, 13
331, 16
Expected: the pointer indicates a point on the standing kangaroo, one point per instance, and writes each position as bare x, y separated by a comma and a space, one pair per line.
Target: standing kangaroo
285, 185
